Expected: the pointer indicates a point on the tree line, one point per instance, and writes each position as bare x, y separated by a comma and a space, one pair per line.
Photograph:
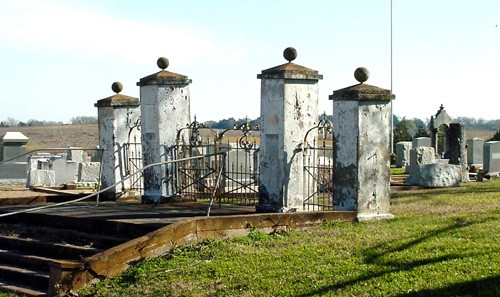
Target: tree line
80, 120
407, 129
404, 129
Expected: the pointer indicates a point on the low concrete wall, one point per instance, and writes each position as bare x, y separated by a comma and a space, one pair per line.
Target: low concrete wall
68, 278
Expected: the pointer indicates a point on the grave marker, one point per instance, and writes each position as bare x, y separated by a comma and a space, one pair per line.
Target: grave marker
491, 162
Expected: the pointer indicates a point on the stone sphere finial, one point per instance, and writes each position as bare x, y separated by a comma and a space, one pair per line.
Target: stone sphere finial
162, 63
117, 87
290, 54
361, 74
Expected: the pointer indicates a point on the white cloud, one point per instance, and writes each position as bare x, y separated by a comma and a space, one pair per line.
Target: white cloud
90, 34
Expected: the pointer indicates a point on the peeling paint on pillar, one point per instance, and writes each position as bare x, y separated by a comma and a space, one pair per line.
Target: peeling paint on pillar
117, 116
165, 109
289, 108
361, 126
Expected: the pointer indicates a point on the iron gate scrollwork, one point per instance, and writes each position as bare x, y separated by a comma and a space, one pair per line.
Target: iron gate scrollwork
318, 167
196, 179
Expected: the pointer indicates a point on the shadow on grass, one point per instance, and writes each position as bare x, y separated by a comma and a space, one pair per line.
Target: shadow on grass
424, 193
373, 256
368, 277
489, 286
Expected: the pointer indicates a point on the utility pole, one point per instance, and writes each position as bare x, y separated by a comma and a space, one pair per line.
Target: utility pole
392, 113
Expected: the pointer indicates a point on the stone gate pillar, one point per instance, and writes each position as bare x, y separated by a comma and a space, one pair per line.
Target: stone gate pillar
118, 119
361, 126
289, 107
165, 109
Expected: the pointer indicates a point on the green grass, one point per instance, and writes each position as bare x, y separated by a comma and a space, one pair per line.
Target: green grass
397, 171
443, 242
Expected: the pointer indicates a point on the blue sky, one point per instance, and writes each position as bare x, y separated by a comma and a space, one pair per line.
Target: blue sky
59, 57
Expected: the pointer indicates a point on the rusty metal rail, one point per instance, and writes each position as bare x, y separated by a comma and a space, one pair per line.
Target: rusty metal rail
223, 154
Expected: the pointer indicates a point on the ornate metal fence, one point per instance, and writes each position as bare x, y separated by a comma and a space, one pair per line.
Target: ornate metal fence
196, 179
318, 167
133, 164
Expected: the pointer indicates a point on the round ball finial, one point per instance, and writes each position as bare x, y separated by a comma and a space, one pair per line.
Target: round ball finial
290, 54
162, 63
117, 87
361, 74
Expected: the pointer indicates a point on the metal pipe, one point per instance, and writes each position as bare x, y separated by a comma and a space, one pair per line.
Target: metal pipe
107, 188
100, 177
217, 183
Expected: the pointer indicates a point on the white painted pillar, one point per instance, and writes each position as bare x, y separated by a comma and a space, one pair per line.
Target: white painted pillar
289, 108
118, 117
165, 109
361, 127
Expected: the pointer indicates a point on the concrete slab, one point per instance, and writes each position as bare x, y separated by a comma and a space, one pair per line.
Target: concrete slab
137, 213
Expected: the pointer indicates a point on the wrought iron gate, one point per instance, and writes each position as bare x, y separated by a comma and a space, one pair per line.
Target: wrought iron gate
318, 167
196, 179
134, 164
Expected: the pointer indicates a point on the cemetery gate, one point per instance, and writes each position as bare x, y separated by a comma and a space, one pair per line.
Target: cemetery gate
318, 157
133, 161
196, 179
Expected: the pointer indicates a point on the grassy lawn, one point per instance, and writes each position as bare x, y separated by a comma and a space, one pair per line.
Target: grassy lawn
443, 242
397, 171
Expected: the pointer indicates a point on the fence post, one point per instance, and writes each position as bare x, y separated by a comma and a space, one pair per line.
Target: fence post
289, 108
118, 117
165, 109
361, 126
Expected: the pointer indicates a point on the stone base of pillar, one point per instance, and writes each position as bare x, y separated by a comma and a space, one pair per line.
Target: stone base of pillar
129, 196
266, 208
374, 217
148, 199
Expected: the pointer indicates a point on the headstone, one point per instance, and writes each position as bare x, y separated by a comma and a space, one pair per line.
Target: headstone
435, 175
13, 144
75, 155
42, 177
457, 150
361, 121
421, 141
66, 171
88, 172
239, 168
289, 108
440, 119
422, 155
44, 165
35, 159
475, 147
426, 171
403, 153
13, 173
491, 162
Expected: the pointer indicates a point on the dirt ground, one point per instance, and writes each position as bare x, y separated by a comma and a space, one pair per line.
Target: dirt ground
19, 192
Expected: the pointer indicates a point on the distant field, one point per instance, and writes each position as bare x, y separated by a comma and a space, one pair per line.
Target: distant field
57, 136
88, 135
484, 134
